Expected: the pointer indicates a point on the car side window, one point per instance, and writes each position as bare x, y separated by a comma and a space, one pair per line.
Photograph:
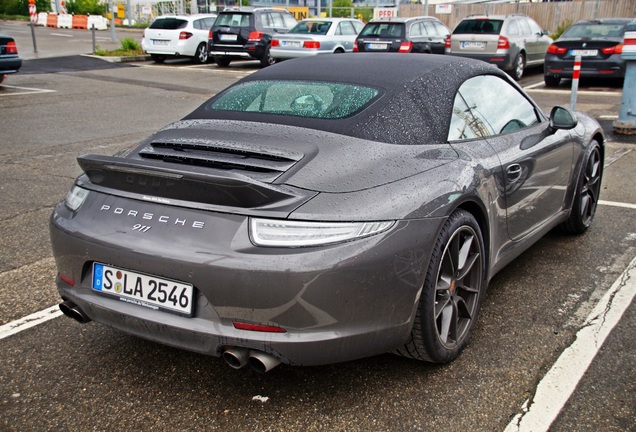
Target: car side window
441, 30
198, 24
513, 28
525, 28
429, 29
497, 105
534, 27
346, 28
463, 125
277, 20
416, 29
288, 20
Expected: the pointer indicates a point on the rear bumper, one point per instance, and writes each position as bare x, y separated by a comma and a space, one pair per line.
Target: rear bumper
247, 52
613, 67
10, 65
503, 61
336, 303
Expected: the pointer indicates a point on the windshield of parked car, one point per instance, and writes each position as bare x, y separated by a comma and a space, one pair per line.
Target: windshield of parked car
311, 27
479, 26
594, 30
169, 24
323, 100
384, 30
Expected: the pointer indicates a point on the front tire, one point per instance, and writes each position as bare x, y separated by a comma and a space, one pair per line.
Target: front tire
157, 58
201, 54
222, 61
452, 292
551, 80
587, 192
267, 59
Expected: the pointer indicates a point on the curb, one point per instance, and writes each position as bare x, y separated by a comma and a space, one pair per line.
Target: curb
116, 59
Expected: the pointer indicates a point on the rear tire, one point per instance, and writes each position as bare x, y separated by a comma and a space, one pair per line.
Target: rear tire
222, 61
157, 58
519, 67
201, 54
452, 292
267, 59
587, 192
551, 80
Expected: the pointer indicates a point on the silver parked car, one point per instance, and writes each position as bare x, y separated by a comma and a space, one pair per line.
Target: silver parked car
512, 42
317, 36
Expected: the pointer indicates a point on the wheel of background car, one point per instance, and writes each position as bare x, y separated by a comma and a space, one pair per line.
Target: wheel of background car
201, 54
551, 80
587, 192
2, 77
339, 51
518, 67
452, 292
222, 61
267, 59
157, 58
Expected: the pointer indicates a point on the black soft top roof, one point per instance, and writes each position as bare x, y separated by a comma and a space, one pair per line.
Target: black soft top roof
416, 102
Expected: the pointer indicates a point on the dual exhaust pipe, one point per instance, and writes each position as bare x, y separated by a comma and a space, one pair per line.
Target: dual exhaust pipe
236, 357
259, 361
71, 310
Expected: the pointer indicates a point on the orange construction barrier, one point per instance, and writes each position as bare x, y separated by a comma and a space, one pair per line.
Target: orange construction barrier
51, 20
80, 21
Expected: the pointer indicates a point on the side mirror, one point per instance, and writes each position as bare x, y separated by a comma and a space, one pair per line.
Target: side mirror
562, 118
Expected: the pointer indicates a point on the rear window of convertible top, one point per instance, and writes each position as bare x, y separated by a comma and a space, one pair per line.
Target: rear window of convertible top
322, 100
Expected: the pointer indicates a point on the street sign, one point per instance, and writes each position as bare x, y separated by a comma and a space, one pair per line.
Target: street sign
33, 13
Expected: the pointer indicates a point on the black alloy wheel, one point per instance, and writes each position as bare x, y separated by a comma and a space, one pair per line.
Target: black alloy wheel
587, 192
452, 292
222, 61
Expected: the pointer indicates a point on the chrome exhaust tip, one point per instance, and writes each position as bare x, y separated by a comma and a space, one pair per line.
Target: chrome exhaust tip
71, 310
262, 362
236, 357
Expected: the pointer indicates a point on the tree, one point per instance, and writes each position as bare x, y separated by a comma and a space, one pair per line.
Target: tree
341, 8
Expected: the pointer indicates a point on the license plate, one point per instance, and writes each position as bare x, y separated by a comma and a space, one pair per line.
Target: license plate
472, 45
291, 44
584, 53
160, 42
227, 37
143, 290
377, 46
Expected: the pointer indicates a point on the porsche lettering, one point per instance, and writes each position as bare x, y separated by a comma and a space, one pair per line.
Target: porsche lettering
153, 217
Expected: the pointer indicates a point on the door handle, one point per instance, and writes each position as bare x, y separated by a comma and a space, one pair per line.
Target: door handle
513, 172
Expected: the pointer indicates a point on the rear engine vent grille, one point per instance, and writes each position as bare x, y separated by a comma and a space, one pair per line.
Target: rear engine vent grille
262, 164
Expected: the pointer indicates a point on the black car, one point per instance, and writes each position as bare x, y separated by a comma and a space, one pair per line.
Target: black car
10, 62
598, 42
246, 34
325, 209
404, 35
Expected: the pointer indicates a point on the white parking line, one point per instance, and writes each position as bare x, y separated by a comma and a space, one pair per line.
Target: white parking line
29, 321
28, 91
617, 204
559, 383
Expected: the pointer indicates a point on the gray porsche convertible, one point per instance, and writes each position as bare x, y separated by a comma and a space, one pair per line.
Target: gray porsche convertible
325, 209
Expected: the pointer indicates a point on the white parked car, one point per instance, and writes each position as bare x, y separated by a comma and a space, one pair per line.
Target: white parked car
317, 36
178, 35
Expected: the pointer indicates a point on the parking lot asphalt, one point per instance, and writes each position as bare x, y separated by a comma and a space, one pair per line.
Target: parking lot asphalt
61, 375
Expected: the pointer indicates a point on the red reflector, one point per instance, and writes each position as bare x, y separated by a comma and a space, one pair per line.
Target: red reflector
312, 44
66, 279
275, 42
406, 47
607, 71
556, 70
12, 48
255, 36
503, 43
258, 327
553, 49
497, 59
185, 35
616, 49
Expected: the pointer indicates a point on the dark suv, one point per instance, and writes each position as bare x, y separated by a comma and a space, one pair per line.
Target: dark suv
417, 34
246, 34
511, 42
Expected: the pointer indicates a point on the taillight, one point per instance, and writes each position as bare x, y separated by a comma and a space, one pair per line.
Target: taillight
553, 49
255, 36
275, 42
503, 43
447, 42
355, 46
12, 48
210, 35
312, 44
406, 47
616, 49
185, 35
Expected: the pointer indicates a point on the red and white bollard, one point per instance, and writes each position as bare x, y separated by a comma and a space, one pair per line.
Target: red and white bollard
576, 73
